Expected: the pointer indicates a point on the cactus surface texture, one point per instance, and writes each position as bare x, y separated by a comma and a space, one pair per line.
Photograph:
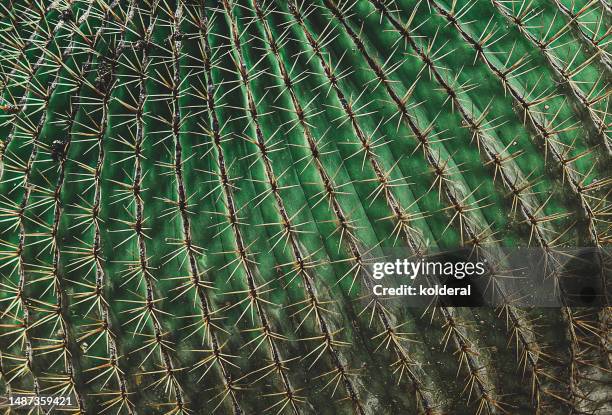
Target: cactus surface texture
191, 193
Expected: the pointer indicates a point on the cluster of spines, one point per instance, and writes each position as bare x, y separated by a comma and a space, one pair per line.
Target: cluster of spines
27, 72
598, 92
576, 182
569, 68
547, 129
391, 337
65, 345
15, 45
594, 14
146, 308
312, 303
496, 157
264, 333
479, 126
188, 251
243, 263
36, 312
455, 331
518, 329
214, 334
89, 256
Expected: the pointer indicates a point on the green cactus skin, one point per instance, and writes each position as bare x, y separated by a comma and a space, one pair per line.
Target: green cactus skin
190, 193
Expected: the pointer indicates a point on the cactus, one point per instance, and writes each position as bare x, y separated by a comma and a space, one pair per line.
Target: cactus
191, 193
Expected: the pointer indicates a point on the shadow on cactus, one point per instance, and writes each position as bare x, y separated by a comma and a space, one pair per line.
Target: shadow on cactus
193, 193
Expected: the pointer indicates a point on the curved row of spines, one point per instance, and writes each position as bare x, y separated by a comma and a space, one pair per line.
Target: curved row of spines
37, 311
230, 194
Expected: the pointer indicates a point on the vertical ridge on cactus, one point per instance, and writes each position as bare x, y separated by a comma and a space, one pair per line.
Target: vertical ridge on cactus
192, 194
